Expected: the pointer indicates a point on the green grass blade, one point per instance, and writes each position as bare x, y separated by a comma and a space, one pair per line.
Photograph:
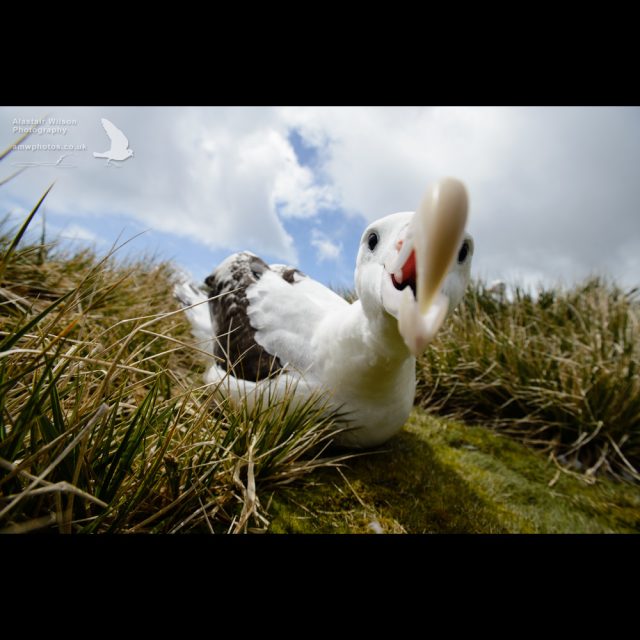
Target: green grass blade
22, 231
123, 456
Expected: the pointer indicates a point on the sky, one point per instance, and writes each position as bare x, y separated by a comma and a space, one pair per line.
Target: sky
553, 191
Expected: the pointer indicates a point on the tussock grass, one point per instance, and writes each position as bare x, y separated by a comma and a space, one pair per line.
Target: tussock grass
104, 424
106, 427
559, 370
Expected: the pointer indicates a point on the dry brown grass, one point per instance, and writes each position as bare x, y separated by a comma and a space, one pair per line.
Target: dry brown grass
559, 371
104, 423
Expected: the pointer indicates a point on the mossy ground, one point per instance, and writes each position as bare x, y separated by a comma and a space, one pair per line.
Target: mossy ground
441, 476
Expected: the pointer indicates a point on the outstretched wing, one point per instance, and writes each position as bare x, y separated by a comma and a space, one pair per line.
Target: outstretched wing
285, 315
118, 139
196, 307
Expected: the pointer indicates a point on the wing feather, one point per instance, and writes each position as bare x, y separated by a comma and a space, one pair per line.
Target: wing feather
197, 311
285, 316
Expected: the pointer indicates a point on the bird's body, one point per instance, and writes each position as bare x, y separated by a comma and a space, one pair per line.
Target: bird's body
119, 149
276, 331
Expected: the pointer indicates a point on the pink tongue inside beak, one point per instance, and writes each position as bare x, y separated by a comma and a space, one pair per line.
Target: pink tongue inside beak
408, 273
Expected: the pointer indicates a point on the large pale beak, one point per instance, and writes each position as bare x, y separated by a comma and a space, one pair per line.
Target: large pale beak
432, 242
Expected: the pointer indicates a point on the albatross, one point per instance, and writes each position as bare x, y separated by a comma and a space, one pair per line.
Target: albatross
272, 329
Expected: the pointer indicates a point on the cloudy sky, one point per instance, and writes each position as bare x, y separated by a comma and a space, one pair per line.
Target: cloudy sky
554, 192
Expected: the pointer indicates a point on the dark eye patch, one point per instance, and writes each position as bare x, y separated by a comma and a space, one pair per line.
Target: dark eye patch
464, 252
372, 240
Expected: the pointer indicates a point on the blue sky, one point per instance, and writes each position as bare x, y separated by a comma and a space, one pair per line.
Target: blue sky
334, 266
553, 191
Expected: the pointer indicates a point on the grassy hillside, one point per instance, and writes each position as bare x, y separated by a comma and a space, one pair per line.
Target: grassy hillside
560, 371
104, 425
441, 476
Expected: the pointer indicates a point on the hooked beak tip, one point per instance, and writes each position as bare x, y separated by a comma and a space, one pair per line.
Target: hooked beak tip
432, 240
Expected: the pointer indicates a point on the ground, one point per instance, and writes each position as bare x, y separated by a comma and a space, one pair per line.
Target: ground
440, 476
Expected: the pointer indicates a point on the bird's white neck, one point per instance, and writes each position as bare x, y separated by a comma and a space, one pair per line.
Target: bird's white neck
379, 334
367, 366
363, 346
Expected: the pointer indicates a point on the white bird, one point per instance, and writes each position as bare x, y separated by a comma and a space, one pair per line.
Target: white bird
497, 290
272, 329
119, 149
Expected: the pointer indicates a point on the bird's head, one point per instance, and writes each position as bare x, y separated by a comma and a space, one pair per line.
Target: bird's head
415, 267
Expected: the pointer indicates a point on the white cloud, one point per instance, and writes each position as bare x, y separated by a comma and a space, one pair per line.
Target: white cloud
220, 176
77, 232
326, 249
554, 191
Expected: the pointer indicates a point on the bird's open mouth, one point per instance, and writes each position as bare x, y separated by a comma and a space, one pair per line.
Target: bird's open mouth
406, 275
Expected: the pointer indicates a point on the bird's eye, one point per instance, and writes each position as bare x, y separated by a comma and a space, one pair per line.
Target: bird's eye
372, 240
464, 252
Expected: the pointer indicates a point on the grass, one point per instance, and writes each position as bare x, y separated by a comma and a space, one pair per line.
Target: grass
106, 427
560, 371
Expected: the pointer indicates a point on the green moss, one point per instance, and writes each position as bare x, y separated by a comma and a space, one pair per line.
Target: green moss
439, 476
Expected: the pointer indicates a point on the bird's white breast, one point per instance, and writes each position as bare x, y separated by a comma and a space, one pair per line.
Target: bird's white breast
371, 377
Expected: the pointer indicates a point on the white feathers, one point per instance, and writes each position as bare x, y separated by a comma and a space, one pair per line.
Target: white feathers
196, 308
359, 355
287, 316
